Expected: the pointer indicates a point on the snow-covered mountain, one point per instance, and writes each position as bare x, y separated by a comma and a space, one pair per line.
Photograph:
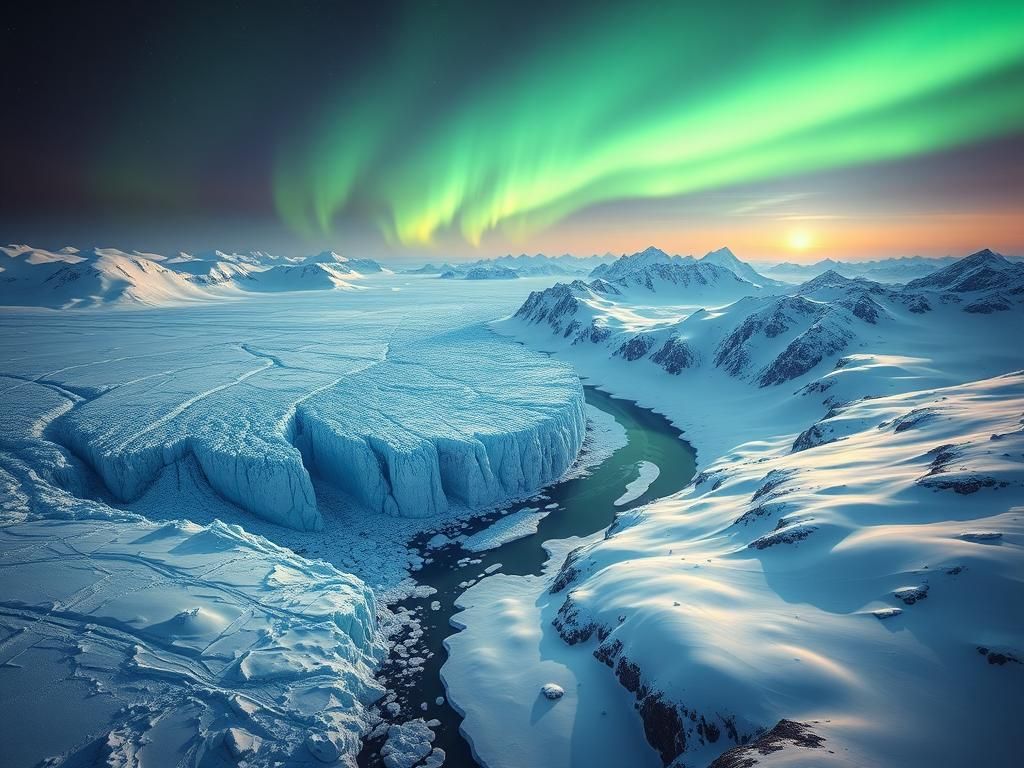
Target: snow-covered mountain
107, 276
339, 262
684, 282
252, 258
300, 277
491, 273
895, 270
856, 520
31, 277
430, 269
769, 338
648, 257
723, 257
522, 265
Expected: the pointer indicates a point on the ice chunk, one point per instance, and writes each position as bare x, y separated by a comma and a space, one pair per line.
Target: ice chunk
648, 473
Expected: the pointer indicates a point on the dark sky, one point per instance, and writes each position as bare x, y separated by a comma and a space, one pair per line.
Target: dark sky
468, 128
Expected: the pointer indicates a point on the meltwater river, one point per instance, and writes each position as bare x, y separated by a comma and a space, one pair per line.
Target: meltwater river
585, 505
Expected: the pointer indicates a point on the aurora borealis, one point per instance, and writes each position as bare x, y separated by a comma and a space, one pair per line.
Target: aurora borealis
461, 128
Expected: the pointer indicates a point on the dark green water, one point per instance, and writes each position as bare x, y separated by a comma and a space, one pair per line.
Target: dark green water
585, 505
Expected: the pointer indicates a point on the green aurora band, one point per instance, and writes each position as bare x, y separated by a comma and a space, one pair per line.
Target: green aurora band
654, 103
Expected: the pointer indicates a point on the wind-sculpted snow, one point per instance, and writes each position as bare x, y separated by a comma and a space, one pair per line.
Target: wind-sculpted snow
861, 449
193, 638
803, 585
169, 641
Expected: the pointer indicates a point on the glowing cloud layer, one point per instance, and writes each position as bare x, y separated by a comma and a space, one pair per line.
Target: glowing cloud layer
670, 101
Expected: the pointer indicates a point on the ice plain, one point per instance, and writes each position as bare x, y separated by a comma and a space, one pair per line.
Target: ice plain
848, 559
128, 437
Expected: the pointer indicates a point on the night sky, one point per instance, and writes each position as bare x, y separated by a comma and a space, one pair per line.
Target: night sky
792, 130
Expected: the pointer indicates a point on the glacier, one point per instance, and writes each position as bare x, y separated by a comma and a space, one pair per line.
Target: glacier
408, 420
205, 509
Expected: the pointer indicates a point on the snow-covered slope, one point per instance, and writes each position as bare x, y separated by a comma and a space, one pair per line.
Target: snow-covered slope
91, 278
362, 266
723, 257
897, 270
841, 576
127, 642
789, 582
300, 277
637, 261
212, 272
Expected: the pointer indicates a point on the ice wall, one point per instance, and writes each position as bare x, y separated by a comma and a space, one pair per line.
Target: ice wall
466, 418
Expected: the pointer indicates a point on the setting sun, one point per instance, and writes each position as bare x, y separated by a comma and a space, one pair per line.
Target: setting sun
799, 240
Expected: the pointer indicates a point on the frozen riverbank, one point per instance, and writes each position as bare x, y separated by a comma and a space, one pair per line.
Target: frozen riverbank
519, 571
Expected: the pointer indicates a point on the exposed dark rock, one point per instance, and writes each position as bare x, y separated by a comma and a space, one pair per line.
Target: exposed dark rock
663, 727
911, 595
674, 356
780, 317
867, 309
998, 657
628, 674
567, 622
593, 333
635, 348
962, 484
811, 437
917, 304
911, 420
787, 535
989, 304
608, 652
785, 735
762, 510
770, 482
568, 572
804, 352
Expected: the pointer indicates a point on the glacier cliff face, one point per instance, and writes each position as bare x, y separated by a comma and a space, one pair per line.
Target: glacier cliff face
406, 433
164, 642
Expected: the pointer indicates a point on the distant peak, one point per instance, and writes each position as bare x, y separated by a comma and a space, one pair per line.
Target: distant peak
652, 250
983, 255
724, 252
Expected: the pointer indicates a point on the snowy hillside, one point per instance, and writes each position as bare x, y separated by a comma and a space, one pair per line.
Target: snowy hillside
840, 577
637, 261
70, 278
83, 279
144, 640
300, 277
897, 270
343, 263
861, 581
770, 339
522, 265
